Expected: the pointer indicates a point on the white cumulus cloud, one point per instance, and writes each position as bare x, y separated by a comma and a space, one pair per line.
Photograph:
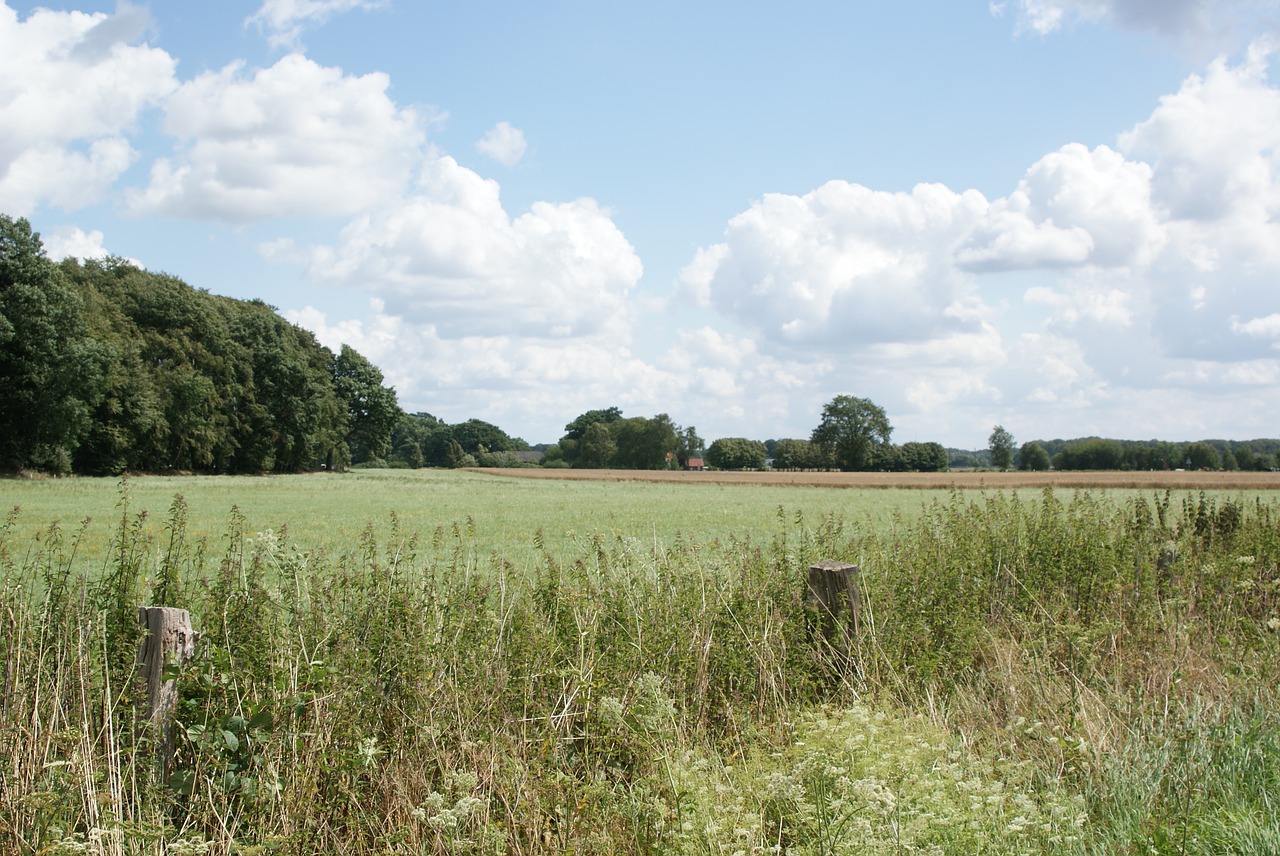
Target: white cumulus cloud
1073, 207
1267, 327
450, 254
842, 262
503, 143
72, 86
1214, 142
73, 242
285, 20
293, 139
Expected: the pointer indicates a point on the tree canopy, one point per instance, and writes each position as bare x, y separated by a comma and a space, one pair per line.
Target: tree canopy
1033, 457
850, 431
1001, 445
604, 438
52, 369
736, 453
107, 367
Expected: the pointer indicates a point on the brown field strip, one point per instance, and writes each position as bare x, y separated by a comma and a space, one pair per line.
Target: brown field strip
1191, 480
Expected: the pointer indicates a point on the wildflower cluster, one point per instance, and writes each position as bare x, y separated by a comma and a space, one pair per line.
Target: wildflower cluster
858, 781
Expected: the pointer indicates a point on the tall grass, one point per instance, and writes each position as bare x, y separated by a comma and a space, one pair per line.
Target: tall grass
1055, 675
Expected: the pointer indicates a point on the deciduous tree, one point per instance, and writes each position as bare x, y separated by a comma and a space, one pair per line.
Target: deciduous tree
790, 454
736, 453
1033, 456
597, 446
850, 430
644, 444
50, 370
372, 410
1001, 445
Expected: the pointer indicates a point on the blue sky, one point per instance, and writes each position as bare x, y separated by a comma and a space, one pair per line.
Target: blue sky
1055, 215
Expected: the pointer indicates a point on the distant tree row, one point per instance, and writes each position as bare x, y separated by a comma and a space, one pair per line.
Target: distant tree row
105, 367
422, 440
1096, 453
604, 438
852, 435
596, 439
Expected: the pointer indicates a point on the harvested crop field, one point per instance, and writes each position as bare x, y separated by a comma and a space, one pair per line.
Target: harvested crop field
1159, 479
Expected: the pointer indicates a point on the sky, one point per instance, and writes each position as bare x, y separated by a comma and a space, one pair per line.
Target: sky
1059, 216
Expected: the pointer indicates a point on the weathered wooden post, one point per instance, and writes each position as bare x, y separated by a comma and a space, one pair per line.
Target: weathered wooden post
169, 639
833, 590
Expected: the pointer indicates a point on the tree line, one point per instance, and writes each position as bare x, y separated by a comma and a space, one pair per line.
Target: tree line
853, 435
596, 439
106, 367
1098, 453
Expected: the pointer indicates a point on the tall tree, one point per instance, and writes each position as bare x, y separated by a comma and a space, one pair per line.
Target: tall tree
372, 411
127, 429
1033, 456
199, 369
287, 415
850, 430
476, 435
791, 454
923, 457
1090, 453
736, 453
597, 446
1001, 445
411, 440
688, 445
50, 370
645, 444
571, 444
578, 427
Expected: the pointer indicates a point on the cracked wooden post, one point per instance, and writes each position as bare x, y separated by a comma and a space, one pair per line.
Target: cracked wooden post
169, 640
833, 590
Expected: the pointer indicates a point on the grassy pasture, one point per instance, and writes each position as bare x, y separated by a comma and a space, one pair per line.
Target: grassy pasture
508, 507
600, 667
1195, 480
328, 512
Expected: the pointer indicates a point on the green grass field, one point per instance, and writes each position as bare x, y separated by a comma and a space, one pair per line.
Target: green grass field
603, 667
330, 511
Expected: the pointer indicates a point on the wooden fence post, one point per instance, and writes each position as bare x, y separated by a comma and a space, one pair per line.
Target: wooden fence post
169, 639
833, 589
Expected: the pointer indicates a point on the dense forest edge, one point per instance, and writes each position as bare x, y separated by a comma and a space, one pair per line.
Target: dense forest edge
107, 368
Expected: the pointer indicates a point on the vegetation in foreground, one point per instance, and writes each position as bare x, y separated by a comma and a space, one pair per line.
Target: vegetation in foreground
1080, 676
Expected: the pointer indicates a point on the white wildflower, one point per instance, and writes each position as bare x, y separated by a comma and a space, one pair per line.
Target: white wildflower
367, 751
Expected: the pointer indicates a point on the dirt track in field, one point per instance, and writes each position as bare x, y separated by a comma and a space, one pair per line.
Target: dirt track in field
926, 481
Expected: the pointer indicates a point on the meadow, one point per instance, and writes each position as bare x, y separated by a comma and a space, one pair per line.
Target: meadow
444, 662
328, 513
